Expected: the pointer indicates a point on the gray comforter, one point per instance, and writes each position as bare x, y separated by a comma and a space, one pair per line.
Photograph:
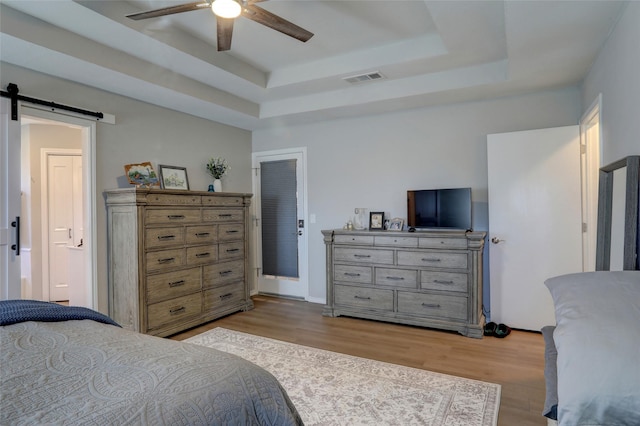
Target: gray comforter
85, 372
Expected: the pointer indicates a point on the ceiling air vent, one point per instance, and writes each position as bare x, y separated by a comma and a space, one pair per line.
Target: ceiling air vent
364, 77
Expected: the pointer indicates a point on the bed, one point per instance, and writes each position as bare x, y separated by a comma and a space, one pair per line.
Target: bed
70, 365
592, 353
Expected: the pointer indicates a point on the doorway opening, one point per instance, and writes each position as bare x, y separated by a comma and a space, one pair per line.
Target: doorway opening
590, 158
58, 261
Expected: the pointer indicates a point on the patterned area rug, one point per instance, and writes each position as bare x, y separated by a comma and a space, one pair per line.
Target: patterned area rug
329, 388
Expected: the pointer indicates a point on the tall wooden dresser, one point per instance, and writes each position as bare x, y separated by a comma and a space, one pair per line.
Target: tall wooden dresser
430, 279
177, 259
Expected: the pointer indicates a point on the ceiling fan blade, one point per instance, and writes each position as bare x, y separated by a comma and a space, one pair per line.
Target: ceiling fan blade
261, 16
169, 10
224, 31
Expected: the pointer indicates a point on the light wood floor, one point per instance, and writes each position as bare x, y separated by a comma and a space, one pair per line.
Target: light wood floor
515, 362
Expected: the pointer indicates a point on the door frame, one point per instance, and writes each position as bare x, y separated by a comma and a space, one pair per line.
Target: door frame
45, 153
590, 150
303, 243
88, 136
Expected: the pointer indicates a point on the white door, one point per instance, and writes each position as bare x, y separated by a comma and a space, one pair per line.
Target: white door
10, 203
64, 203
294, 281
535, 224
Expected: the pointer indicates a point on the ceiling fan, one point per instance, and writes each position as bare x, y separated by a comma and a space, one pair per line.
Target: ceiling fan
226, 11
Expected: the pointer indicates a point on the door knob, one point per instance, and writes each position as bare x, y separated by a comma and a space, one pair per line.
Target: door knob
496, 240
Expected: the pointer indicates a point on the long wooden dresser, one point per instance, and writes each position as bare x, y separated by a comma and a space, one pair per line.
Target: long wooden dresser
177, 259
430, 279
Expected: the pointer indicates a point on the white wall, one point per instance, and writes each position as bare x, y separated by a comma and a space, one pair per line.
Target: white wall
142, 132
616, 74
372, 161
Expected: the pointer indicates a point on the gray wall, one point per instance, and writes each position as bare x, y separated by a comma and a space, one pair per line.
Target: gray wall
371, 162
142, 132
616, 74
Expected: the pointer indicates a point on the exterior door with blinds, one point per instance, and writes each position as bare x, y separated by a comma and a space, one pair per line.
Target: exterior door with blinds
280, 227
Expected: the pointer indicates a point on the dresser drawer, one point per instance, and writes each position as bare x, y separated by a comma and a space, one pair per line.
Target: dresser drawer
172, 284
362, 255
221, 201
201, 234
164, 260
174, 310
201, 255
222, 215
396, 241
436, 259
433, 305
171, 216
231, 250
224, 296
449, 281
164, 237
443, 243
366, 240
174, 199
363, 297
354, 274
396, 277
230, 232
222, 273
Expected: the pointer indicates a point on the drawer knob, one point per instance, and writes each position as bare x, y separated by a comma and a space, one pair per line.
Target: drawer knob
395, 278
361, 298
226, 296
202, 234
225, 273
431, 305
207, 254
232, 250
443, 282
232, 231
166, 237
166, 260
176, 283
362, 256
426, 259
179, 310
224, 215
351, 274
175, 216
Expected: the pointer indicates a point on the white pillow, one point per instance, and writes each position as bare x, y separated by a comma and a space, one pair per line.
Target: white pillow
598, 341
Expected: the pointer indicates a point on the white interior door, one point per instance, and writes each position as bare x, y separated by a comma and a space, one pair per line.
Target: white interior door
10, 203
267, 281
63, 202
535, 224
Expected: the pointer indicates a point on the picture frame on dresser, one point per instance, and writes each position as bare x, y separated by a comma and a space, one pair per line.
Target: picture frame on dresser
376, 220
173, 177
396, 224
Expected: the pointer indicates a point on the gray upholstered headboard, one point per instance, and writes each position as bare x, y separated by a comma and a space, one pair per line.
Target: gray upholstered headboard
630, 260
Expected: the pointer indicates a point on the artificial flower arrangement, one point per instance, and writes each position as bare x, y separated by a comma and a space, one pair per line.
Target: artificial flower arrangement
217, 167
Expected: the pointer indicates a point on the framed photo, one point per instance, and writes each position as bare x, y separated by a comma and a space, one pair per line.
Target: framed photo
396, 224
141, 174
173, 177
376, 220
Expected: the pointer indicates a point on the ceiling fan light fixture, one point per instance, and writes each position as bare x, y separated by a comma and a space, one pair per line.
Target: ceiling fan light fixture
226, 8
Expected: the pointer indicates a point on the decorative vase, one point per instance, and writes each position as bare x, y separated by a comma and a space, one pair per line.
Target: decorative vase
217, 185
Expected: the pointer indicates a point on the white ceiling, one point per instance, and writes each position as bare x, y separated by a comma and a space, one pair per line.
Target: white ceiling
430, 52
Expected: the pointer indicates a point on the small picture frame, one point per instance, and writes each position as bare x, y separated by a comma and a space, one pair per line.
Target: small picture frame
173, 177
396, 224
376, 220
141, 174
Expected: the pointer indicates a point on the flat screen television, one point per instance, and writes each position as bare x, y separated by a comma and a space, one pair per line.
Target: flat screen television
439, 208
